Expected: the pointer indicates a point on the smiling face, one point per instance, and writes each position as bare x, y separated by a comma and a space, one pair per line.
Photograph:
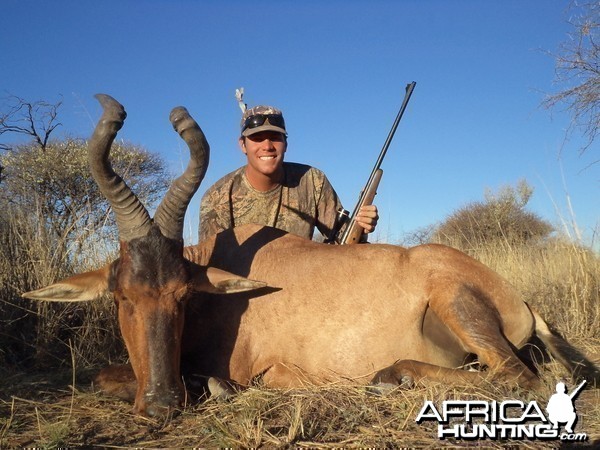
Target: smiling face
264, 151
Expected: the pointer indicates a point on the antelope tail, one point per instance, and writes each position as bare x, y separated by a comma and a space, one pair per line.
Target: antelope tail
570, 357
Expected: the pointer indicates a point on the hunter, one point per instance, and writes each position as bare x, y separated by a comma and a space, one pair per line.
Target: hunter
268, 191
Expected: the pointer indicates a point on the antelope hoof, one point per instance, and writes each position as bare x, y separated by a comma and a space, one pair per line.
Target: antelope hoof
220, 389
400, 374
407, 382
381, 389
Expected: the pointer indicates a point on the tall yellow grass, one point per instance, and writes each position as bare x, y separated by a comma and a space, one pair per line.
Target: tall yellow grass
558, 278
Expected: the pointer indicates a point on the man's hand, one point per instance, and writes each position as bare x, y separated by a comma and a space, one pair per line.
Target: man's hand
367, 218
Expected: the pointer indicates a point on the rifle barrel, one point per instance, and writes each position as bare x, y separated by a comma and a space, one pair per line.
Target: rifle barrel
409, 90
577, 389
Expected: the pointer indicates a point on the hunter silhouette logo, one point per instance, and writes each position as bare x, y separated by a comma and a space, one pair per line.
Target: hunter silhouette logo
509, 419
561, 408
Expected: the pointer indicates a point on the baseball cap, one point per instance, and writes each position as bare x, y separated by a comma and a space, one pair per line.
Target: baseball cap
262, 118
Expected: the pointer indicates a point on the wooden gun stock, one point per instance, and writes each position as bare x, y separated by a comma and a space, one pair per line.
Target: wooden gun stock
355, 233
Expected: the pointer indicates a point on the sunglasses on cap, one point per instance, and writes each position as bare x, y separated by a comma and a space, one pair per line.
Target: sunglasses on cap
259, 120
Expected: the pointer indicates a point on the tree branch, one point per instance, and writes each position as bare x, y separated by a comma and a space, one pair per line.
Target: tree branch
578, 70
37, 120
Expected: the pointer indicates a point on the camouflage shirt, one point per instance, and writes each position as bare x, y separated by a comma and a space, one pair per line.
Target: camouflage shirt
303, 201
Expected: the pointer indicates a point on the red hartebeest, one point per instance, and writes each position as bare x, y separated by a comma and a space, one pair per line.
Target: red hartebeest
319, 313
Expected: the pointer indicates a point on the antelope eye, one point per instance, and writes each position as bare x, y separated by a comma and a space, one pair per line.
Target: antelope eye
121, 299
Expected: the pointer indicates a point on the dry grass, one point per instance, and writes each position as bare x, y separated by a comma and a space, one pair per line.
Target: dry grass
57, 407
558, 278
328, 417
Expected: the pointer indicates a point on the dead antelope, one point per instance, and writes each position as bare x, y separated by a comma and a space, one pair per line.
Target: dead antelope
319, 313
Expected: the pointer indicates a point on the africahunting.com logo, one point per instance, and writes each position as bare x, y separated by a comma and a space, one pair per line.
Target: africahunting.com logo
510, 419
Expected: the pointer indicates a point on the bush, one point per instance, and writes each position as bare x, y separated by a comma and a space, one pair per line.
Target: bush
55, 222
56, 181
501, 217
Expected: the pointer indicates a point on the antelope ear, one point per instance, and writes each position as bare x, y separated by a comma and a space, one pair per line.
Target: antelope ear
78, 288
217, 281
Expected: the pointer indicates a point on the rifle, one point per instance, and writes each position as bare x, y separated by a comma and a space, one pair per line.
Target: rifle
354, 233
577, 389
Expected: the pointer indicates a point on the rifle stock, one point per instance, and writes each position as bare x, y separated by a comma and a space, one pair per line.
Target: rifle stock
355, 233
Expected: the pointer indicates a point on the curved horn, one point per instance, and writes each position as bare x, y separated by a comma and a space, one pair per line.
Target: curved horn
171, 211
132, 218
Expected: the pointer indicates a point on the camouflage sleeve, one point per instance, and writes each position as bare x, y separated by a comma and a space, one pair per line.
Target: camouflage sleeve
214, 211
328, 204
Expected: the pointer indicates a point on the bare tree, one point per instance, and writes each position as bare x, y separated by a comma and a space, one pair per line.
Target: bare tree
36, 120
578, 70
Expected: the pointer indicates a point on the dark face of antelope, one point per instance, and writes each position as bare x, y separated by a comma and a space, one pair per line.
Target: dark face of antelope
150, 280
149, 283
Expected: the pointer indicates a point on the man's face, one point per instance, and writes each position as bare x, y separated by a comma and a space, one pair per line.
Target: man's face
264, 151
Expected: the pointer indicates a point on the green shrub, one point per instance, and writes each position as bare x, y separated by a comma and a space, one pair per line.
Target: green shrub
500, 217
54, 222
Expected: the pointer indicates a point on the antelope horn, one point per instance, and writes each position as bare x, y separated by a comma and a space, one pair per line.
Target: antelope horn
170, 213
133, 220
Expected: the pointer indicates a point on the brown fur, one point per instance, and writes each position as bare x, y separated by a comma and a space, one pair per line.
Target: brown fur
348, 312
358, 313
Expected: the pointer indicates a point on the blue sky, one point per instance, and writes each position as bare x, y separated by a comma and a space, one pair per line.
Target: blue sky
338, 71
